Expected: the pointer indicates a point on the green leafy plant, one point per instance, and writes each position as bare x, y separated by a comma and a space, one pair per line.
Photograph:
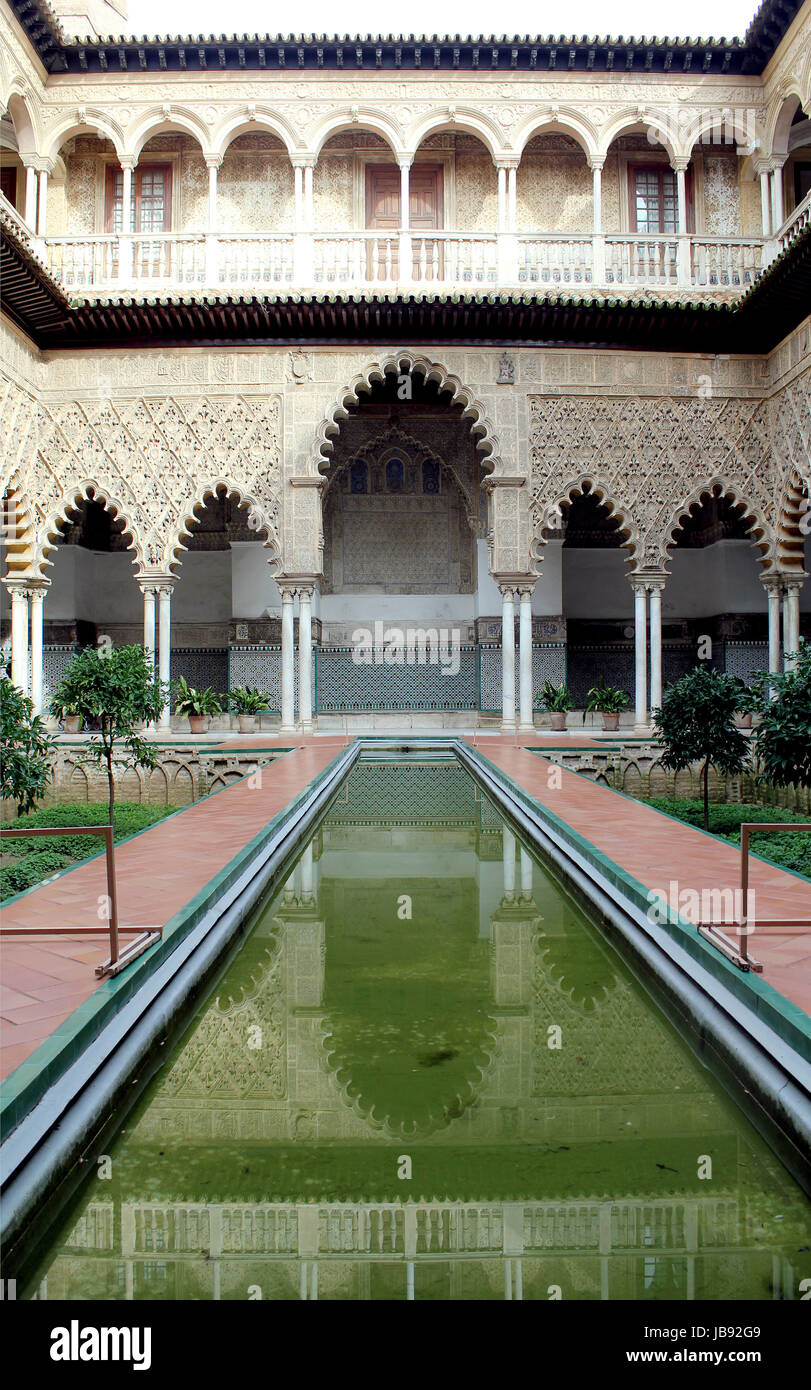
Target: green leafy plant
192, 701
783, 740
245, 699
556, 699
39, 858
750, 697
696, 723
606, 699
63, 709
790, 851
26, 762
115, 689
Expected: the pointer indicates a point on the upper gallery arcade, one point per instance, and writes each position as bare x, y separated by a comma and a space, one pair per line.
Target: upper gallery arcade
589, 260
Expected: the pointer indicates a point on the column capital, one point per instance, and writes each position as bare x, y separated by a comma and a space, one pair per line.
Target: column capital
506, 161
20, 586
525, 588
304, 161
305, 590
596, 165
406, 160
214, 161
680, 163
44, 165
287, 588
773, 583
506, 589
777, 161
655, 581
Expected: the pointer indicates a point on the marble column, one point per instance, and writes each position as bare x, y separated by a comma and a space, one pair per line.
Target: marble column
288, 661
526, 874
42, 202
508, 862
305, 658
512, 198
213, 163
792, 623
640, 653
773, 592
30, 195
655, 590
502, 198
778, 217
307, 874
507, 657
765, 209
19, 632
37, 673
165, 649
148, 592
525, 722
597, 238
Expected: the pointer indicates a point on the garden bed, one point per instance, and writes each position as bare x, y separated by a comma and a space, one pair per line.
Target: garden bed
38, 857
789, 851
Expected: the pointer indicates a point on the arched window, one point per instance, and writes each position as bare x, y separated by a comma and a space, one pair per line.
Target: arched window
395, 475
358, 476
430, 476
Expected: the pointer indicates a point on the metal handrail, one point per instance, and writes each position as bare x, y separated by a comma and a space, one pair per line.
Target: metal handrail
118, 959
749, 922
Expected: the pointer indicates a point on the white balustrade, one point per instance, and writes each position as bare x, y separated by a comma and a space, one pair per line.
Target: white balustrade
553, 259
794, 224
257, 260
261, 259
83, 262
641, 260
722, 264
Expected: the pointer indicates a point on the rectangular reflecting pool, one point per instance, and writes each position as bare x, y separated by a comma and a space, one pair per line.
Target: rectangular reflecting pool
426, 1074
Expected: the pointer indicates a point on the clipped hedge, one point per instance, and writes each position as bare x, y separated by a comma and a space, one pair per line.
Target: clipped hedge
789, 851
41, 856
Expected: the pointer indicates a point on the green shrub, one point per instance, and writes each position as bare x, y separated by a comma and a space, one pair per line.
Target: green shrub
31, 870
789, 851
67, 849
129, 818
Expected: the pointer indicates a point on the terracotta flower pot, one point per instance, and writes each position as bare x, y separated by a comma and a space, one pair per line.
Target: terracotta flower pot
247, 723
557, 720
198, 723
611, 721
70, 723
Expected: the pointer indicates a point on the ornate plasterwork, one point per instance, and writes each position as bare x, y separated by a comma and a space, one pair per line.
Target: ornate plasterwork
305, 109
151, 460
650, 459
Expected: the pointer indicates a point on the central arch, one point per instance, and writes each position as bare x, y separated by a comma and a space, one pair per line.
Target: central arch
407, 363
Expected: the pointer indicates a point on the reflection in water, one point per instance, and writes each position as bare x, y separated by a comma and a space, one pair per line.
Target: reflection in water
425, 1075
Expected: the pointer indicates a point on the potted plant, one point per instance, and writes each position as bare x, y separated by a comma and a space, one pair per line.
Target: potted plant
750, 702
608, 701
196, 705
246, 702
557, 700
67, 714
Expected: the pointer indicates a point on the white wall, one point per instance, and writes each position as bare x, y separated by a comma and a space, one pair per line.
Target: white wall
254, 591
547, 600
203, 590
596, 585
93, 586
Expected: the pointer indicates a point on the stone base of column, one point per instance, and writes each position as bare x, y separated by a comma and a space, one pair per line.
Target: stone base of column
508, 726
526, 728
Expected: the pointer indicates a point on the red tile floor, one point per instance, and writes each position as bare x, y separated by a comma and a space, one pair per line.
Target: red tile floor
44, 979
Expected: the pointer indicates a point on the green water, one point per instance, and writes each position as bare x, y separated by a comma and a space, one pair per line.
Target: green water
426, 1074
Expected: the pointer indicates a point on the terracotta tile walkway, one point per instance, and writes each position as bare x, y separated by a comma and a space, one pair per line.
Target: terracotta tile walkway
44, 979
655, 850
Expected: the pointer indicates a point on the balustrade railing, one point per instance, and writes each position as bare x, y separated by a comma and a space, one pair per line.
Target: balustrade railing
795, 223
546, 259
262, 260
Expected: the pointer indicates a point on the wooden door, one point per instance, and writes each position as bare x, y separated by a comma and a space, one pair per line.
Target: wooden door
426, 213
8, 183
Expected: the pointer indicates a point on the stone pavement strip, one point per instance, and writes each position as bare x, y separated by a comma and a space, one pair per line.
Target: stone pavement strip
44, 978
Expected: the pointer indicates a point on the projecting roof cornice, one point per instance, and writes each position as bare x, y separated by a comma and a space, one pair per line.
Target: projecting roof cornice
255, 52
